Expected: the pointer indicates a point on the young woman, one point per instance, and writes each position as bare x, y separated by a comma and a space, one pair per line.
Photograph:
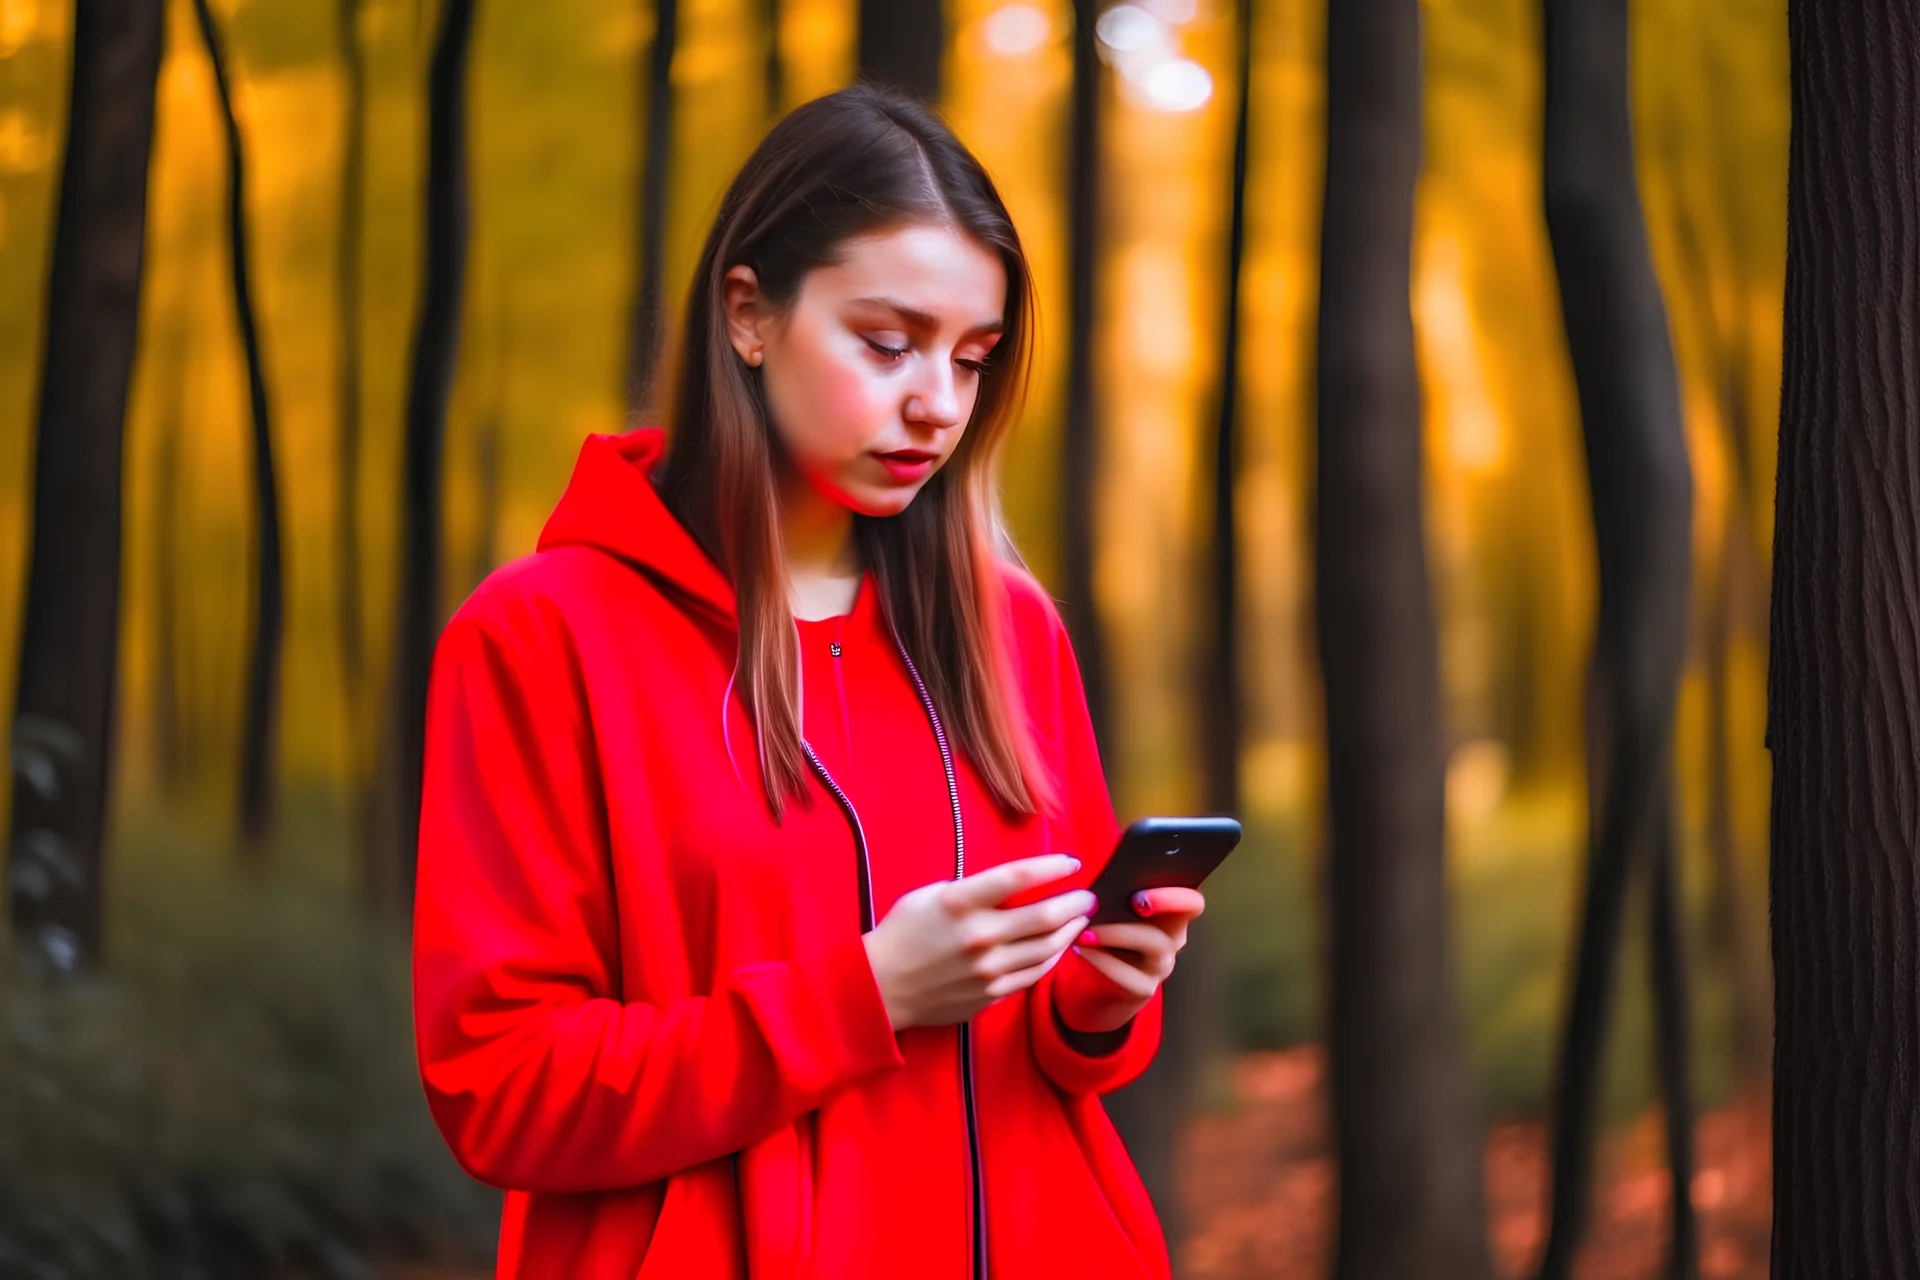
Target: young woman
750, 938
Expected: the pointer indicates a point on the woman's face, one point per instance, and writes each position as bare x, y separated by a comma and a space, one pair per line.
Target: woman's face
871, 375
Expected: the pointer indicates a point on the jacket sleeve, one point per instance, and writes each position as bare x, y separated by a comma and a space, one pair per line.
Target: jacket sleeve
538, 1075
1088, 813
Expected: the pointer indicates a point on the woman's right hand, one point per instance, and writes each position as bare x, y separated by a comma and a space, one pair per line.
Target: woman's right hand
946, 950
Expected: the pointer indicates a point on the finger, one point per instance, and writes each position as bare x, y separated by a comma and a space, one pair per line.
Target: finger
1040, 917
1119, 972
1170, 901
995, 885
1013, 983
1145, 940
1014, 956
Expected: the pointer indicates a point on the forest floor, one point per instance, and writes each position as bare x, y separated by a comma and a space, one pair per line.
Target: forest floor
1259, 1187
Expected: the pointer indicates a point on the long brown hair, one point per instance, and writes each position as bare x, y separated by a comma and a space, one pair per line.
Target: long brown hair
850, 164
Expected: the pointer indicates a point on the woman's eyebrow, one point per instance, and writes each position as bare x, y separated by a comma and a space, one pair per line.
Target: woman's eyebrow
921, 320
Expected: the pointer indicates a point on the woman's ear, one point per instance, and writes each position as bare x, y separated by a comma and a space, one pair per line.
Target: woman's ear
746, 312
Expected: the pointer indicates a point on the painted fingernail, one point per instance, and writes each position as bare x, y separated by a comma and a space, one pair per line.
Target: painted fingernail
1143, 904
1089, 939
1087, 903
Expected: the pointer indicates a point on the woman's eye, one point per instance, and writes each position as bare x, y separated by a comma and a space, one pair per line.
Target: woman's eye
884, 351
975, 366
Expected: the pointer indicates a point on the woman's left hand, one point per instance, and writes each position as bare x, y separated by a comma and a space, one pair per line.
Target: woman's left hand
1135, 957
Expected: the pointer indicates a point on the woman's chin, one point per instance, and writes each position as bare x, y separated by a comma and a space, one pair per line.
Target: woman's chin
881, 503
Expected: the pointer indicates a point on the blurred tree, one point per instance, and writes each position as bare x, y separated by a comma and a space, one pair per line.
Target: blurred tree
1080, 437
774, 70
346, 489
1409, 1144
902, 44
436, 342
1845, 703
1642, 511
169, 741
1151, 1112
260, 713
1730, 612
656, 169
62, 738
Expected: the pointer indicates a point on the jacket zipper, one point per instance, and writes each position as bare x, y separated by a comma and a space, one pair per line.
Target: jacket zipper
968, 1097
977, 1234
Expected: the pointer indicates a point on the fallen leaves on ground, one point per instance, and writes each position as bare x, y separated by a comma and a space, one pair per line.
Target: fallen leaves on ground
1259, 1187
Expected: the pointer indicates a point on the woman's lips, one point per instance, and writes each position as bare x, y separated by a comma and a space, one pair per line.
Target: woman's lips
908, 465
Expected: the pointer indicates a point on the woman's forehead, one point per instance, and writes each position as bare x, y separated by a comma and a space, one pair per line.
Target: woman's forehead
920, 271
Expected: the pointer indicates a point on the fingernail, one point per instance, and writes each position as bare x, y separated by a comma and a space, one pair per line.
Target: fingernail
1143, 904
1087, 903
1075, 950
1088, 939
1073, 863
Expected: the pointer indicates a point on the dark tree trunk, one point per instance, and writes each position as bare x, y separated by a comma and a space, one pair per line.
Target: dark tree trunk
1845, 703
1642, 510
775, 69
1411, 1195
260, 713
902, 43
436, 341
656, 171
62, 737
168, 742
346, 519
1080, 440
1151, 1112
1733, 934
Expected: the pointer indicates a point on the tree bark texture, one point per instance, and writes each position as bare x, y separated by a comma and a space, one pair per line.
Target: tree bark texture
656, 173
902, 44
1845, 697
62, 739
260, 710
1641, 488
1411, 1196
1080, 437
436, 341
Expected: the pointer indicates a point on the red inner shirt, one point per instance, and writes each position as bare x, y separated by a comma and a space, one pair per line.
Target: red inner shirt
863, 717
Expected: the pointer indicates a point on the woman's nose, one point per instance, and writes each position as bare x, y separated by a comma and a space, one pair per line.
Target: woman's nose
935, 400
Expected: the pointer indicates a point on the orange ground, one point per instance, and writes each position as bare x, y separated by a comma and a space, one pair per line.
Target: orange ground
1259, 1187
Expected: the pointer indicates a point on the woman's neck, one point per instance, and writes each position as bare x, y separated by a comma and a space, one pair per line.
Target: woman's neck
823, 556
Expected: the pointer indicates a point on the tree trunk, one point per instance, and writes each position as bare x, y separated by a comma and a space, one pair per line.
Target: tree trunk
436, 341
168, 742
1642, 510
1080, 438
70, 627
1411, 1196
656, 171
260, 714
902, 43
1732, 931
346, 519
1845, 704
774, 71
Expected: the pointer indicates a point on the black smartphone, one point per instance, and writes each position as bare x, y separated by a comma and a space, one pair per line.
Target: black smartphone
1160, 853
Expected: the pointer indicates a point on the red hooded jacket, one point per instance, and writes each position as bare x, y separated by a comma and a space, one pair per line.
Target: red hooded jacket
643, 1005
